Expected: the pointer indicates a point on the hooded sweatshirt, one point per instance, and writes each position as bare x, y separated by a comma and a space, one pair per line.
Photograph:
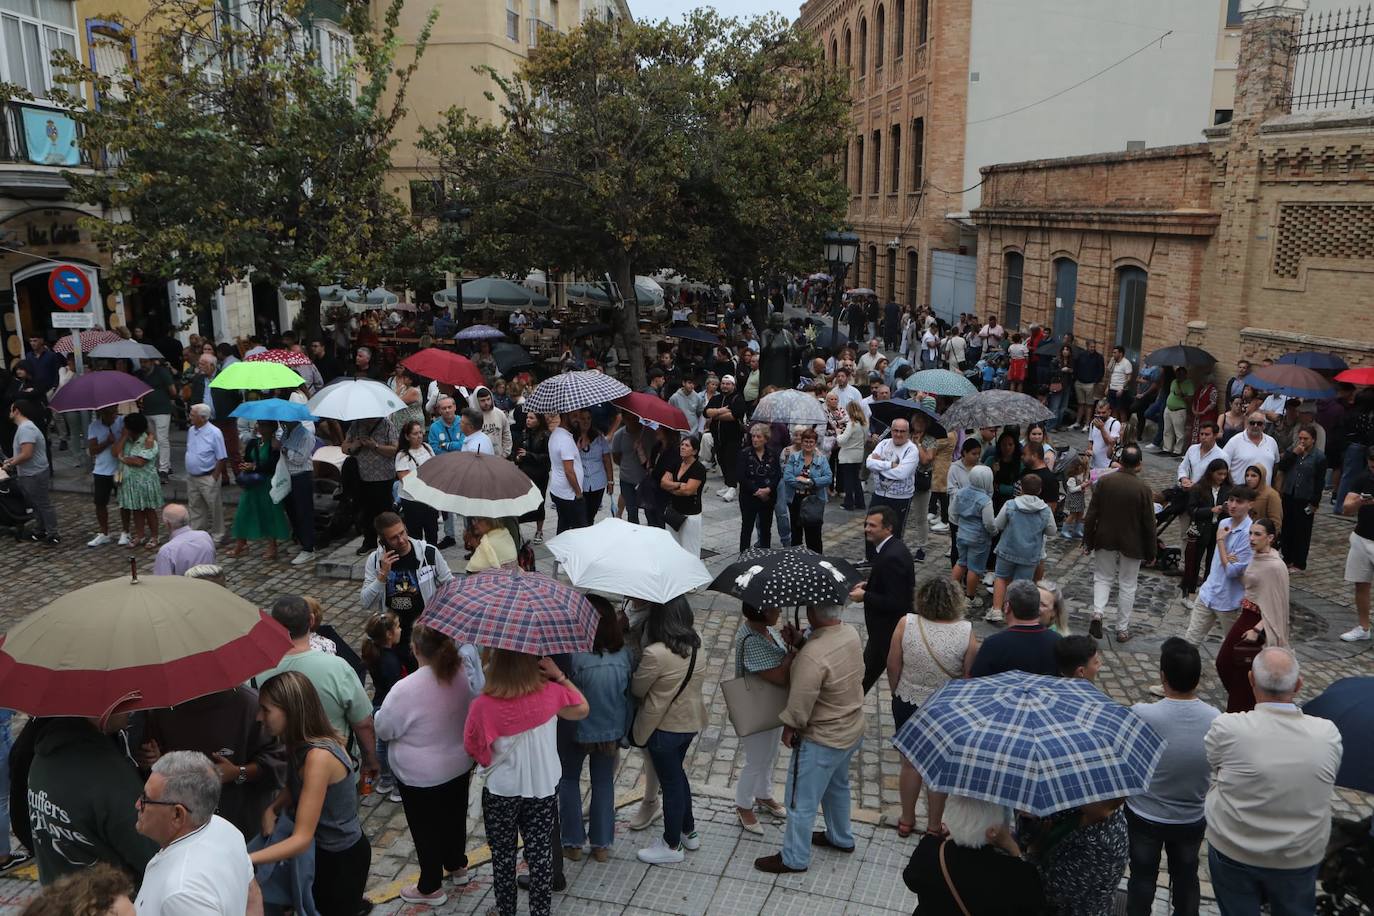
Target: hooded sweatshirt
82, 790
495, 422
1025, 522
972, 507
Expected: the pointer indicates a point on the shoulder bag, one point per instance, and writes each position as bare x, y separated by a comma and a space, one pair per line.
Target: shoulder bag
949, 882
691, 667
753, 704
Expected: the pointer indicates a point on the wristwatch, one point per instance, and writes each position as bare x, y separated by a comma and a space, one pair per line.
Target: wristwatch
242, 777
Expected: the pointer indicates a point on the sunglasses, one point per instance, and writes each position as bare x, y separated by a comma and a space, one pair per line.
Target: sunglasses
1254, 423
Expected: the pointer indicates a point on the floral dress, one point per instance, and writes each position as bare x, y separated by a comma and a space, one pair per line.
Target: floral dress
139, 487
1082, 867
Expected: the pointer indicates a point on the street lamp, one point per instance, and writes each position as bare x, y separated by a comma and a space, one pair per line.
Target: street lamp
841, 248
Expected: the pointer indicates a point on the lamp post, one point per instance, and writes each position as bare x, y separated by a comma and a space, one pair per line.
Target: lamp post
841, 248
457, 219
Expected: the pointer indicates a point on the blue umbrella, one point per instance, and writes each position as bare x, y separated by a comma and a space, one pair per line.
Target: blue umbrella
941, 383
272, 409
1322, 362
1034, 743
1292, 381
479, 332
1349, 703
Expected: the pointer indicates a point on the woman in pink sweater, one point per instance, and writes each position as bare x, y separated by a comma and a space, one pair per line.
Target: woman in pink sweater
511, 732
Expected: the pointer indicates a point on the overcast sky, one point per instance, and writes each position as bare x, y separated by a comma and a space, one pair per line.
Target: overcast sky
654, 10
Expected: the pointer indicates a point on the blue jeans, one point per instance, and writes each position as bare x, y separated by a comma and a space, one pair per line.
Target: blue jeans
1156, 412
1181, 842
783, 516
381, 748
603, 797
818, 777
1241, 888
1058, 401
668, 751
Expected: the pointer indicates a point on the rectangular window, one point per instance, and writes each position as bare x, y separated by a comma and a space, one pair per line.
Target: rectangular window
425, 199
30, 32
891, 275
877, 161
913, 259
512, 20
899, 29
923, 22
859, 166
1013, 267
1233, 13
896, 157
918, 154
1222, 116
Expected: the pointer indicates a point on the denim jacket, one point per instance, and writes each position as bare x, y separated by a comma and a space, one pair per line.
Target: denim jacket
604, 679
821, 475
1025, 522
970, 506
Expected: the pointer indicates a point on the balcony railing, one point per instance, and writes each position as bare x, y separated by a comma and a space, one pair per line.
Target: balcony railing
39, 135
538, 30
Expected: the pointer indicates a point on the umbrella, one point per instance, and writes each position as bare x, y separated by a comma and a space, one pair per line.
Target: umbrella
1052, 348
941, 383
995, 408
1180, 356
829, 339
1349, 703
860, 291
473, 484
900, 408
89, 340
787, 577
1361, 376
795, 408
361, 300
591, 330
573, 391
354, 399
126, 349
495, 293
687, 332
595, 292
648, 407
478, 332
260, 376
273, 409
821, 276
513, 610
95, 390
1290, 380
131, 643
285, 357
510, 357
446, 367
626, 559
648, 288
1029, 742
1322, 362
330, 454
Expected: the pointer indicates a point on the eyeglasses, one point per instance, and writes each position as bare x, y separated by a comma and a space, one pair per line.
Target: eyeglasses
144, 801
1254, 423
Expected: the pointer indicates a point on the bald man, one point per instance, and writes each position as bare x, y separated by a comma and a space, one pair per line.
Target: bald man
185, 547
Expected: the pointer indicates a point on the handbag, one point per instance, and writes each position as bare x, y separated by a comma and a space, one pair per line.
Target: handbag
1243, 653
674, 518
922, 480
812, 509
691, 667
949, 882
753, 704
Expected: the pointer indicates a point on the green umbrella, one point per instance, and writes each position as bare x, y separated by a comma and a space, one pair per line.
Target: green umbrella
493, 293
257, 376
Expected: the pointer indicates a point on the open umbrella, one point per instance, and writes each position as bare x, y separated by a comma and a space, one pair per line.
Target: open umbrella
511, 357
648, 407
787, 577
478, 332
860, 291
795, 408
687, 332
1364, 375
995, 408
573, 391
90, 339
473, 484
827, 339
1034, 743
1349, 703
1052, 347
625, 559
495, 293
331, 455
96, 390
279, 355
261, 376
446, 367
1180, 355
1322, 362
132, 643
126, 349
354, 399
887, 411
278, 409
1290, 380
941, 383
360, 300
513, 610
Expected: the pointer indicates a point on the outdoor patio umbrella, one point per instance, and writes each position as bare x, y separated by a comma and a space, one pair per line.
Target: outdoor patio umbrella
1029, 742
126, 349
478, 332
625, 559
279, 355
657, 410
787, 577
495, 293
360, 300
513, 610
1349, 703
510, 357
795, 408
261, 376
95, 390
135, 643
573, 391
90, 339
1180, 355
1321, 362
995, 408
1364, 375
354, 399
1290, 380
278, 409
687, 332
473, 484
941, 383
443, 366
887, 411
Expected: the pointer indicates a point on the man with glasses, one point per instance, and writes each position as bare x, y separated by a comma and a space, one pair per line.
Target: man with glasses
893, 465
1255, 447
201, 865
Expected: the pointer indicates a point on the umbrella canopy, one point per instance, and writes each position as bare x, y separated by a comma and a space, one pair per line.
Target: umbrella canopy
478, 332
795, 408
330, 454
1361, 376
573, 391
1290, 380
126, 349
1052, 347
285, 357
273, 409
995, 408
1180, 356
1321, 362
819, 276
687, 332
510, 357
95, 390
360, 300
860, 291
473, 484
595, 292
354, 399
827, 339
1033, 743
129, 643
260, 376
648, 407
1349, 703
787, 577
446, 367
517, 611
887, 411
648, 288
625, 559
941, 383
495, 293
90, 339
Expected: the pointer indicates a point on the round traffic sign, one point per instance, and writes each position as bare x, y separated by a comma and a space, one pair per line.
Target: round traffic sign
69, 287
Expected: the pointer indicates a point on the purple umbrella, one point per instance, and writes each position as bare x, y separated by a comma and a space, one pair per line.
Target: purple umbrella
96, 390
478, 332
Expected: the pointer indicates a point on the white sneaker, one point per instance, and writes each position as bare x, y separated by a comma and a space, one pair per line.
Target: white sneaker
932, 518
938, 527
989, 578
1151, 447
124, 539
691, 841
304, 557
728, 495
100, 540
722, 491
660, 854
994, 616
1357, 634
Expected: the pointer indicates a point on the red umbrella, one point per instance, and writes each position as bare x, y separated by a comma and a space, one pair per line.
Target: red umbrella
285, 357
446, 367
648, 407
1361, 376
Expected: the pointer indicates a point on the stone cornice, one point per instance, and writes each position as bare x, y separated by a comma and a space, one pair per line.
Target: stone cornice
1198, 223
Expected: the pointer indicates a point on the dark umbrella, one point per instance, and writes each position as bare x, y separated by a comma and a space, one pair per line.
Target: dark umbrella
1180, 356
1349, 703
589, 330
97, 390
510, 357
828, 340
787, 577
995, 408
1052, 348
1322, 362
1293, 381
687, 332
901, 408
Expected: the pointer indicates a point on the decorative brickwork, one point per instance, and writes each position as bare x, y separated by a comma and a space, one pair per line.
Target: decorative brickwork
1344, 231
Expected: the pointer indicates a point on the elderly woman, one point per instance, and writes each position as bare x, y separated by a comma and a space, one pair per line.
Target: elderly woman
1054, 612
1081, 854
495, 546
807, 474
1263, 617
759, 474
976, 869
929, 648
761, 649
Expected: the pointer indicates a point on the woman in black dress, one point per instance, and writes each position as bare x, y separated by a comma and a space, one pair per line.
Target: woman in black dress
531, 443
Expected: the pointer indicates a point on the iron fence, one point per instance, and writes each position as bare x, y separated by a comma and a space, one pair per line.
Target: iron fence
1333, 61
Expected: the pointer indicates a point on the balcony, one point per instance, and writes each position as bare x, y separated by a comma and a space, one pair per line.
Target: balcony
539, 30
37, 142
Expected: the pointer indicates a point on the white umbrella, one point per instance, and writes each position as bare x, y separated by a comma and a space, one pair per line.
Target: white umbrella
354, 399
126, 349
649, 288
624, 559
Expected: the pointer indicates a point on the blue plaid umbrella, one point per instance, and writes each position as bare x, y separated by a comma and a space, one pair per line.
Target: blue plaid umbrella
1037, 744
573, 391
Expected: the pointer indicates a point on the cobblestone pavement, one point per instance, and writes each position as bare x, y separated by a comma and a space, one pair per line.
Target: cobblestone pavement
719, 878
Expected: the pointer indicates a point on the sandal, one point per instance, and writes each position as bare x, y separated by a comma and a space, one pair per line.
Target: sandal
905, 828
772, 806
538, 538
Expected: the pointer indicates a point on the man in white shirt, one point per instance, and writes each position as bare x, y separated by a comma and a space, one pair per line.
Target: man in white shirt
203, 866
1102, 434
930, 348
1118, 378
474, 439
990, 335
1273, 407
953, 348
1193, 467
847, 392
892, 465
495, 422
869, 361
1255, 447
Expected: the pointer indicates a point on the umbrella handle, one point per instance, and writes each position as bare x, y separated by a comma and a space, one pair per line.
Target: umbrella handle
127, 698
133, 570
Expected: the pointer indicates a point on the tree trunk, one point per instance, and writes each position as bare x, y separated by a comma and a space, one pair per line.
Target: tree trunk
627, 317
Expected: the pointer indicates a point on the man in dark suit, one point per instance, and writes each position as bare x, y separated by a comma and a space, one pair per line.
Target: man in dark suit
888, 595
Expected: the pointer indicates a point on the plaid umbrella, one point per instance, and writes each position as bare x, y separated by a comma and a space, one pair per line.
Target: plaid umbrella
518, 611
285, 357
787, 577
89, 341
1290, 380
995, 408
1034, 743
573, 391
795, 408
940, 382
478, 332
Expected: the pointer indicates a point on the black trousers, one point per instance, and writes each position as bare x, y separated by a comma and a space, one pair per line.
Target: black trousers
880, 631
340, 878
300, 509
593, 500
727, 453
422, 521
811, 533
1297, 530
572, 513
942, 501
374, 498
438, 820
754, 513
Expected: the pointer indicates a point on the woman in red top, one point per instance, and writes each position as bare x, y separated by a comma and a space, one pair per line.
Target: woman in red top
1206, 408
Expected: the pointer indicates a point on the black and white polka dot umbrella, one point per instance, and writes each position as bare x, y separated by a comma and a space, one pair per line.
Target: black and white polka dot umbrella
787, 577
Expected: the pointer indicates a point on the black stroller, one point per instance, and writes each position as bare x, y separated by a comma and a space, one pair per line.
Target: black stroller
15, 511
1346, 875
1168, 560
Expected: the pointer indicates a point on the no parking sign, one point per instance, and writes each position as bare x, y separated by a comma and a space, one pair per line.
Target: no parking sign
69, 287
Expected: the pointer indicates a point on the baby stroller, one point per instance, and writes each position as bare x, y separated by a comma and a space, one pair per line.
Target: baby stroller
1346, 874
1168, 560
15, 511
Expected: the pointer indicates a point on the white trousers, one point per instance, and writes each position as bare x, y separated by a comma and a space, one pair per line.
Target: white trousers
688, 536
760, 756
1111, 566
1176, 430
1201, 620
162, 430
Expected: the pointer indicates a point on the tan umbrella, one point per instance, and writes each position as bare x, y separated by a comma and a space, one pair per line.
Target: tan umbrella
472, 484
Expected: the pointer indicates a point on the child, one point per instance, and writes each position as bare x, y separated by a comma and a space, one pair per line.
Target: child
1077, 656
1019, 354
1024, 521
385, 662
1076, 486
988, 370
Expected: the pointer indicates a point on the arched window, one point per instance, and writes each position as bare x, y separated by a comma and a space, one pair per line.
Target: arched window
1013, 269
913, 259
859, 166
863, 47
879, 46
1065, 295
899, 29
1132, 283
873, 267
834, 53
847, 65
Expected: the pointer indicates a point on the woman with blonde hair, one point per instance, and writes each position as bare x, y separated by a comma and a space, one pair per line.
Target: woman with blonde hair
1054, 611
850, 455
